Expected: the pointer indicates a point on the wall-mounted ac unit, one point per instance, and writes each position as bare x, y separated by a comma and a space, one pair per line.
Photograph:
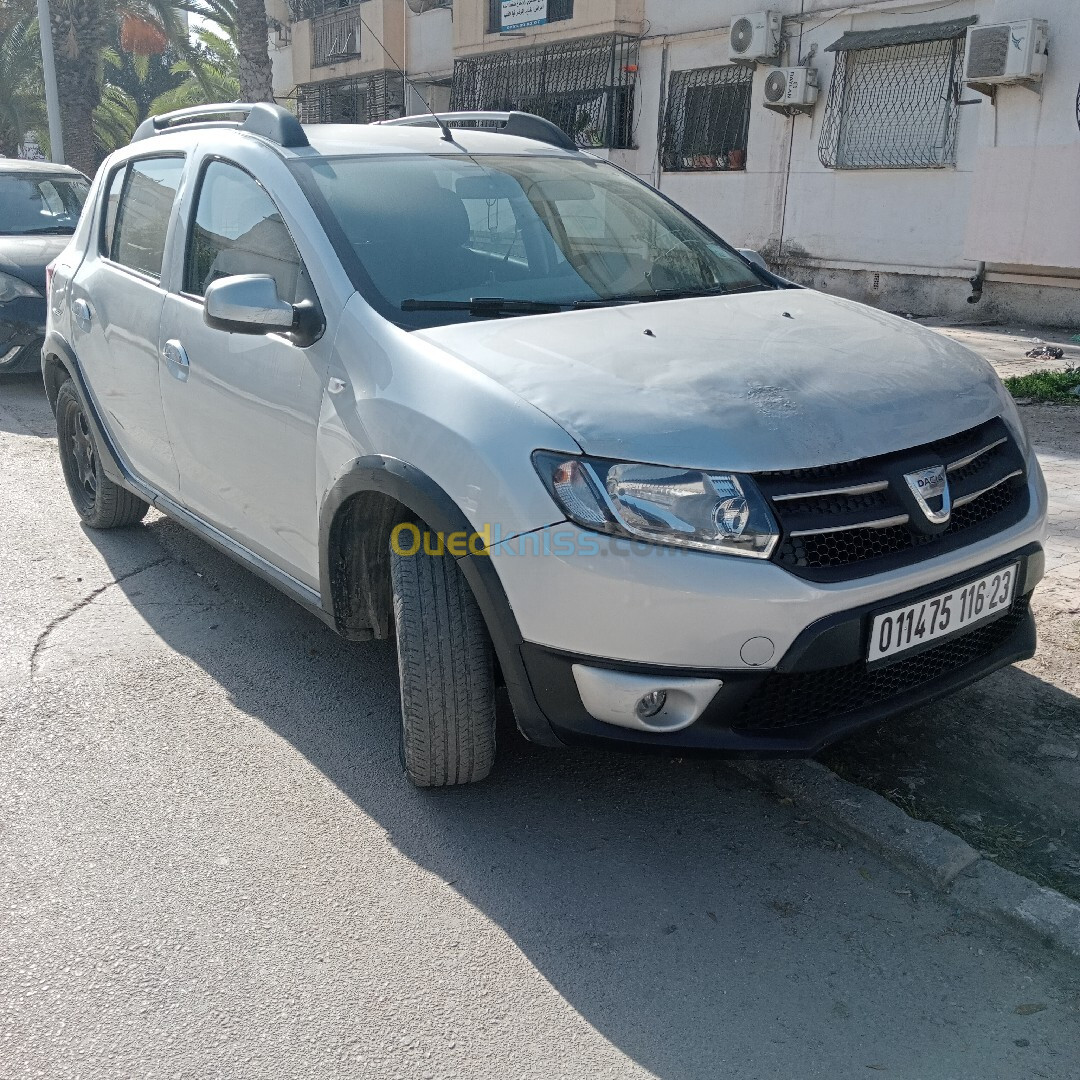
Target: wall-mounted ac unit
754, 38
1002, 53
791, 90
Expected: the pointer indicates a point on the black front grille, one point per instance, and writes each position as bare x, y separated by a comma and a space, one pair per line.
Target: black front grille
786, 701
832, 530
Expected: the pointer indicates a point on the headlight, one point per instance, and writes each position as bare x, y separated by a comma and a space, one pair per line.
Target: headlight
11, 287
690, 508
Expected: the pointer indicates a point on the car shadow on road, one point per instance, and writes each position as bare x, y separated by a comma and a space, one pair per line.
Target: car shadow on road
700, 926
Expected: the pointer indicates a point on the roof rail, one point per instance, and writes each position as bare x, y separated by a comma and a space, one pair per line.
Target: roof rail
260, 118
524, 125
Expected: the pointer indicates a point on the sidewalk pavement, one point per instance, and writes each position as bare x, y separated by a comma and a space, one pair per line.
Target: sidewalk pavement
999, 762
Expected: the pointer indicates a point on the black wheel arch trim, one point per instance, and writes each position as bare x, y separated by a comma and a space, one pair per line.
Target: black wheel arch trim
428, 501
57, 351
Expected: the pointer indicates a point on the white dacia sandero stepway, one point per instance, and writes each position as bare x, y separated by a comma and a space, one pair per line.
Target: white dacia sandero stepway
454, 381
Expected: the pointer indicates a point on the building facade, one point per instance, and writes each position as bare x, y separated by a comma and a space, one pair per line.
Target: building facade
902, 185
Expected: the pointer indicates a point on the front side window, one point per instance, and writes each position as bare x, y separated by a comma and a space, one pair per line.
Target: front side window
136, 233
894, 107
421, 233
707, 119
238, 230
37, 205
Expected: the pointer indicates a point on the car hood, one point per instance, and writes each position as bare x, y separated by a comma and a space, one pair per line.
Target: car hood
26, 257
757, 382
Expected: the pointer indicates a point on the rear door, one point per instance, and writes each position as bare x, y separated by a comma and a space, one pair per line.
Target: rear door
116, 299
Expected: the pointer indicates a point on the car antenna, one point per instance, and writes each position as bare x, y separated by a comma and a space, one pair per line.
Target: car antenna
443, 126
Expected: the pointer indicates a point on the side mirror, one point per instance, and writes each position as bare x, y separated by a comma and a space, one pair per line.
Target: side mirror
249, 304
753, 257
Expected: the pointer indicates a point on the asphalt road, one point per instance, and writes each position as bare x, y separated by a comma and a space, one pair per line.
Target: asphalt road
210, 866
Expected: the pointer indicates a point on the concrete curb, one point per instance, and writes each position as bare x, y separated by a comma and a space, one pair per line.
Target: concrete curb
926, 851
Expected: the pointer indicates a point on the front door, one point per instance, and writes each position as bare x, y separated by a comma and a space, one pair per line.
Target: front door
116, 302
243, 410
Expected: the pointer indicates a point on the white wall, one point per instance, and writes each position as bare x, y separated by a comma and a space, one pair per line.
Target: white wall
1015, 203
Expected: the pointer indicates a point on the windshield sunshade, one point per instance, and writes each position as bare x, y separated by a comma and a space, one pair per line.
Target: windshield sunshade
42, 204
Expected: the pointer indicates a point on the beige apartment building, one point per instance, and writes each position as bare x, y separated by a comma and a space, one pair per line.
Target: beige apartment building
845, 141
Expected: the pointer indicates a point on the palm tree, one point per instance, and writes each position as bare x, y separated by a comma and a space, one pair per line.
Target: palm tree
253, 49
82, 32
212, 77
22, 107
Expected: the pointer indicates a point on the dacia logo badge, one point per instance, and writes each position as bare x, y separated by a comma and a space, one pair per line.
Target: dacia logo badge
930, 487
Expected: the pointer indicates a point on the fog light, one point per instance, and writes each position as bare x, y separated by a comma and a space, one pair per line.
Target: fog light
651, 704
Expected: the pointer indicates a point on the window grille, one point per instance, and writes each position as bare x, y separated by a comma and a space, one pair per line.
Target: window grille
361, 100
707, 119
557, 11
310, 9
335, 37
585, 86
894, 106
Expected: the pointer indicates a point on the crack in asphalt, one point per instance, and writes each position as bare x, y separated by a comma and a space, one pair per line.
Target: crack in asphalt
39, 644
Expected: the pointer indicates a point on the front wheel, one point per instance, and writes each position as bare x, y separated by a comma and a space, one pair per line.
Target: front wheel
99, 502
446, 672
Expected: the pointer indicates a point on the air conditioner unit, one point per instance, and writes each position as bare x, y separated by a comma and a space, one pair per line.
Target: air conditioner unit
754, 37
791, 90
1006, 53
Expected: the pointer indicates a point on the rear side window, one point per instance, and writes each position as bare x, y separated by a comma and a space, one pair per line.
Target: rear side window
136, 232
238, 230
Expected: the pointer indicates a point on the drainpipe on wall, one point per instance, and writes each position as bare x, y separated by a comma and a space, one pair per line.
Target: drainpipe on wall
661, 109
977, 284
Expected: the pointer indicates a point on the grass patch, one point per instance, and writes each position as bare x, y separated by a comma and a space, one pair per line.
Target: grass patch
1046, 385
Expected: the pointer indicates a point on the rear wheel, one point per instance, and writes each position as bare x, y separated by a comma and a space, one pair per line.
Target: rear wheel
99, 502
446, 673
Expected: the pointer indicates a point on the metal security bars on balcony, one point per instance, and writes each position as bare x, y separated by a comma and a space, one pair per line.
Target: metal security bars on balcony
335, 37
310, 9
894, 98
707, 119
378, 96
585, 86
555, 11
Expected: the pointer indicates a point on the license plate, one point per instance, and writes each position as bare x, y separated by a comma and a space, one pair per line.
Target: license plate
939, 616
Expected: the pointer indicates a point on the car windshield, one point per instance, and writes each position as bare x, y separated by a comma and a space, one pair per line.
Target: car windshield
425, 237
41, 203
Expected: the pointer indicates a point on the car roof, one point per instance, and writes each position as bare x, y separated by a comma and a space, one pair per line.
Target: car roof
37, 168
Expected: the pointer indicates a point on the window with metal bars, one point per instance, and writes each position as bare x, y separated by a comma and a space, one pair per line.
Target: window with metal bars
894, 106
310, 9
584, 86
557, 11
707, 119
335, 37
362, 100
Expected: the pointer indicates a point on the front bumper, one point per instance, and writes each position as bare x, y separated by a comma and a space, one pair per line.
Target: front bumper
820, 690
22, 333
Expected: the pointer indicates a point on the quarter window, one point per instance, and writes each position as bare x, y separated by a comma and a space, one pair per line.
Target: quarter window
136, 233
238, 230
707, 119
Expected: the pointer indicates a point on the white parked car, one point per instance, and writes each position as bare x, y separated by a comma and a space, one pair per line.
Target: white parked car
459, 383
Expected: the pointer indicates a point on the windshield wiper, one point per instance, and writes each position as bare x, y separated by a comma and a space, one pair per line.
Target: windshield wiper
667, 294
489, 306
51, 230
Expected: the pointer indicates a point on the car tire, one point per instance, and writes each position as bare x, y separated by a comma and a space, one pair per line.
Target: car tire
445, 669
99, 502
